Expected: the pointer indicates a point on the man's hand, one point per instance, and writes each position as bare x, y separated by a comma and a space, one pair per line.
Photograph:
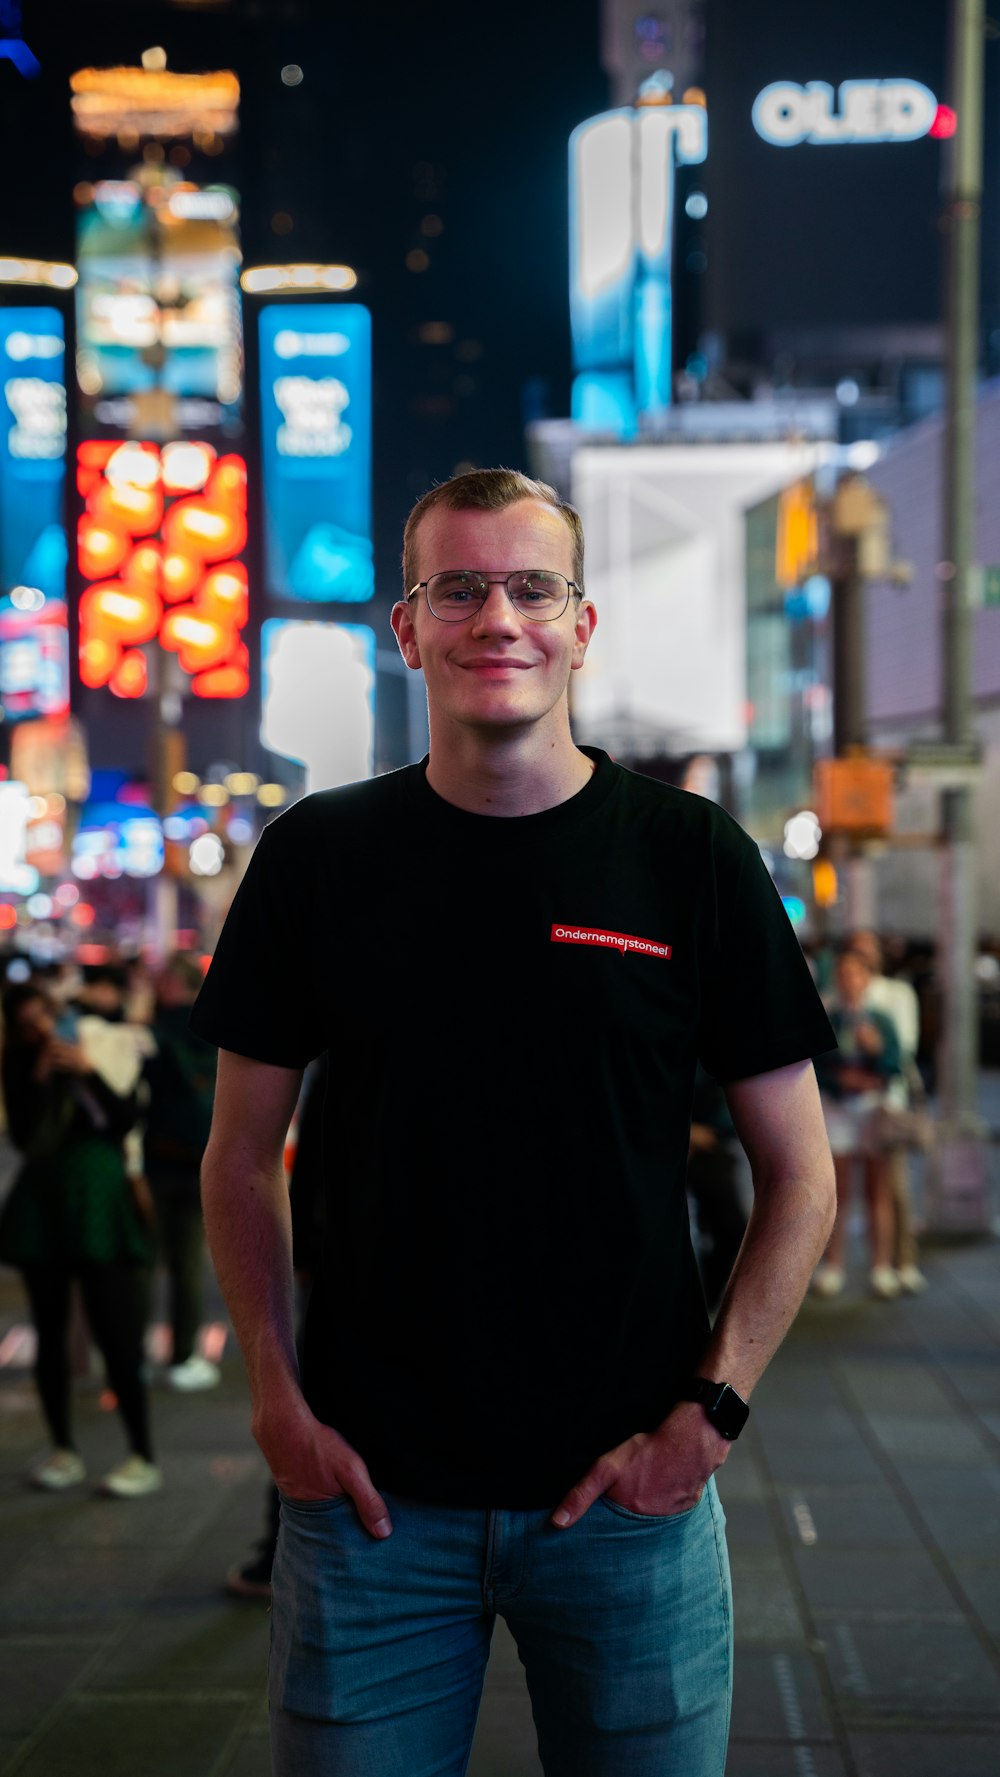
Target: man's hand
310, 1460
656, 1473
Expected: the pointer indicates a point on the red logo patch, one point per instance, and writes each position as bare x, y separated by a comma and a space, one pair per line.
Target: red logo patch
592, 935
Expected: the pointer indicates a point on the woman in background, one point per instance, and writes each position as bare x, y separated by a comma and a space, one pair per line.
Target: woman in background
853, 1080
71, 1215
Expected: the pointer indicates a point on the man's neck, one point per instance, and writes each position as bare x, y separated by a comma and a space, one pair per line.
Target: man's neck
506, 776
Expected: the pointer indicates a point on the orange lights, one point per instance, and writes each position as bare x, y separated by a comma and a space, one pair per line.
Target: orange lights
103, 546
169, 524
8, 916
130, 675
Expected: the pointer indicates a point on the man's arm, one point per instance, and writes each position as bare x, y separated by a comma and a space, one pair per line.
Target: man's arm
248, 1224
780, 1122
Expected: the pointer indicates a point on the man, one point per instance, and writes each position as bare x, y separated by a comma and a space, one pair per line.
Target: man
515, 953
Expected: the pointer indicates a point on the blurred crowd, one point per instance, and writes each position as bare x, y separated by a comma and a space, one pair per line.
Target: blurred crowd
108, 1098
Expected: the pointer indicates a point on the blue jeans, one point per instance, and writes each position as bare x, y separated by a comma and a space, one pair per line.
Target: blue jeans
623, 1624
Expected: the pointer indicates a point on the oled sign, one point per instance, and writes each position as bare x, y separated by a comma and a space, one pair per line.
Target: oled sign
786, 114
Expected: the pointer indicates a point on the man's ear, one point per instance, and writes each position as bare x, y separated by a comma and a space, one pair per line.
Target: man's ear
404, 630
586, 623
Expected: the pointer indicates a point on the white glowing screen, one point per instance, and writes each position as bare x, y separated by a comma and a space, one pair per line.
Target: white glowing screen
318, 703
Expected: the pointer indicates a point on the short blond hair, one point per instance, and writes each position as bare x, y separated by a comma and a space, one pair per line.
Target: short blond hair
489, 490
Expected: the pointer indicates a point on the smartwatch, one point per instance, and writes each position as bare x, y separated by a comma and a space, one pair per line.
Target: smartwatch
724, 1408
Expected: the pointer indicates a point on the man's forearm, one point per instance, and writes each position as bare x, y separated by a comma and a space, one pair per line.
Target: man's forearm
787, 1233
248, 1224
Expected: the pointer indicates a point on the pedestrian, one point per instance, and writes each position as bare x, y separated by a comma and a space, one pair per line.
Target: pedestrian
896, 999
510, 1399
854, 1082
71, 1217
180, 1079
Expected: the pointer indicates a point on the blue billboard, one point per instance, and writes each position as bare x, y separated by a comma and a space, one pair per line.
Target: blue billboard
32, 451
315, 371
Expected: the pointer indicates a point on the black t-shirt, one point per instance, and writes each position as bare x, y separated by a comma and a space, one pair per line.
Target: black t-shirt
513, 1009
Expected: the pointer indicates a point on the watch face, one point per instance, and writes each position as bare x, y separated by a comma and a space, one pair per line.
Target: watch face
729, 1413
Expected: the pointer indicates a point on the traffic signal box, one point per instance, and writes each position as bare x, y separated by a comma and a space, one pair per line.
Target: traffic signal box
855, 796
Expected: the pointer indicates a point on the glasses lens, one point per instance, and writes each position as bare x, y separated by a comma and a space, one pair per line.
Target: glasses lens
454, 595
539, 593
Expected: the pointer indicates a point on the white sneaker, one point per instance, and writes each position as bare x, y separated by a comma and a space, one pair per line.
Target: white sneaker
884, 1283
911, 1280
64, 1468
828, 1280
132, 1478
193, 1374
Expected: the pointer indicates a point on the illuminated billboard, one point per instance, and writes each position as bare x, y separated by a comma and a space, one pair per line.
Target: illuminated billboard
34, 656
318, 697
158, 546
157, 301
786, 113
315, 371
32, 450
622, 177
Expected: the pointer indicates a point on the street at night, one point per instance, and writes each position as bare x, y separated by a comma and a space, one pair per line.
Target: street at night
499, 889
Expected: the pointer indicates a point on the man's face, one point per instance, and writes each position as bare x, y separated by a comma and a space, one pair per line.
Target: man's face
495, 669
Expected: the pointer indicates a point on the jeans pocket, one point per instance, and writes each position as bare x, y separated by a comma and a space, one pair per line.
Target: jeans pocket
313, 1505
620, 1511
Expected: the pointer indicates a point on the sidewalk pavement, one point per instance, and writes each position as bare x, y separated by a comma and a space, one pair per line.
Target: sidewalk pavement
864, 1514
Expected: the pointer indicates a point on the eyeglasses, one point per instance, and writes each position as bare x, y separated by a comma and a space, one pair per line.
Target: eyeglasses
458, 593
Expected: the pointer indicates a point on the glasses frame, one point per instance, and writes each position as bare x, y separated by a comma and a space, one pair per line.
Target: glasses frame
491, 578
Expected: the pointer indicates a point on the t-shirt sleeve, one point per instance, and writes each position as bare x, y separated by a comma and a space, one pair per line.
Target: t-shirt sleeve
260, 997
760, 1009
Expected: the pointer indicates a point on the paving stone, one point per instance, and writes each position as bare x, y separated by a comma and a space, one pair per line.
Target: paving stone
765, 1610
777, 1695
210, 1644
980, 1581
919, 1669
923, 1755
797, 1386
828, 1518
755, 1759
79, 1590
505, 1744
251, 1756
976, 1378
750, 1526
827, 1425
740, 1476
962, 1513
36, 1673
876, 1581
95, 1739
799, 1460
904, 1387
918, 1437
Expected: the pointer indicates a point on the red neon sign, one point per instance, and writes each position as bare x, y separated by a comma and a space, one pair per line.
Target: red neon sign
158, 543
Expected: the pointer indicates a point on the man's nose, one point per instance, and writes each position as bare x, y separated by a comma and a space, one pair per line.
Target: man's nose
496, 614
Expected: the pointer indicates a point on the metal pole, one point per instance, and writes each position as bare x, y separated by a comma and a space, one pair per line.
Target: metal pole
958, 1054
